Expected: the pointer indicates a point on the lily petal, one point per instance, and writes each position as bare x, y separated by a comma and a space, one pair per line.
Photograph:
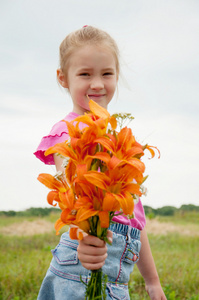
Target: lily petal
84, 214
104, 219
58, 225
53, 196
85, 226
68, 198
73, 233
51, 182
61, 148
98, 110
113, 122
152, 151
110, 203
127, 203
98, 179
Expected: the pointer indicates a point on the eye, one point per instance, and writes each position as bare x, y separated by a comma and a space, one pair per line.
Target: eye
107, 74
84, 74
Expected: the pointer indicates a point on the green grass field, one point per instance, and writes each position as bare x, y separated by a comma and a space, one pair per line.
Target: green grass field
25, 259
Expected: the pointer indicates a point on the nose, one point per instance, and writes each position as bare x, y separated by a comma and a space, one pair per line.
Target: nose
97, 83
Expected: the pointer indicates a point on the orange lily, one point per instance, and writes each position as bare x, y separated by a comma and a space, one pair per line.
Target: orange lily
103, 172
97, 115
76, 232
62, 194
123, 147
57, 188
51, 182
118, 184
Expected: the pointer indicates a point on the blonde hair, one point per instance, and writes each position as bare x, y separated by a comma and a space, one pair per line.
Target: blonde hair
88, 35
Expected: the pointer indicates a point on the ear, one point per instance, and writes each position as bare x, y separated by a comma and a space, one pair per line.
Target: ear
62, 78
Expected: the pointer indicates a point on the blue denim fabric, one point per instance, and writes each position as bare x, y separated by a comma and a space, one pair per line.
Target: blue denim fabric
62, 280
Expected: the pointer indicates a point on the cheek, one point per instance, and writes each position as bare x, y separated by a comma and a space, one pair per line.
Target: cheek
80, 87
112, 87
76, 90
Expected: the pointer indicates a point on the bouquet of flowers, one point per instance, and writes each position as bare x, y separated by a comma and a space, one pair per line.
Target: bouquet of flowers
103, 177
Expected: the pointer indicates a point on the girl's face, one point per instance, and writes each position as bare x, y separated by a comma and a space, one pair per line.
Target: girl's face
91, 73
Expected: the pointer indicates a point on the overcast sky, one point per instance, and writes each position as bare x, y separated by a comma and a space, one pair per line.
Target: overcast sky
159, 47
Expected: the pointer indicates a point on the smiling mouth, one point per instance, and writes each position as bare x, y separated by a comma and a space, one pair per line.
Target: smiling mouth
96, 95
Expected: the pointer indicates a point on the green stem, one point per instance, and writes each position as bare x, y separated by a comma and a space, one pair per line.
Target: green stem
96, 286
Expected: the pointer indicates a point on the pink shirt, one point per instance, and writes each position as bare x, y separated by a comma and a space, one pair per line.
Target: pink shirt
59, 134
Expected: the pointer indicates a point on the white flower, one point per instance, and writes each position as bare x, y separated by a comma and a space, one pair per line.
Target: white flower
136, 199
65, 162
58, 175
143, 190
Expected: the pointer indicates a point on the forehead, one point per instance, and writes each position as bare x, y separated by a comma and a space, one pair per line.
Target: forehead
92, 56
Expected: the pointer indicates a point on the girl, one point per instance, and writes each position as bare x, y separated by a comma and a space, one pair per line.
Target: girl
89, 68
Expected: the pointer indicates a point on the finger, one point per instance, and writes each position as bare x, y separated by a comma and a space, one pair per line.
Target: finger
92, 259
91, 250
92, 262
110, 236
93, 240
91, 267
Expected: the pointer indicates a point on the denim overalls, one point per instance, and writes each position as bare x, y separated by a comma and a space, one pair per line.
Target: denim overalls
62, 280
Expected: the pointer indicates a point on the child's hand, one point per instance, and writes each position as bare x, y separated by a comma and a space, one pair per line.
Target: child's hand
155, 292
92, 252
